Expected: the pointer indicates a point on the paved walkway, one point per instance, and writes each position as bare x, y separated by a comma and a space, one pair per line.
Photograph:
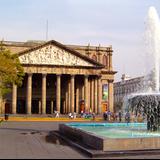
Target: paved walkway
27, 140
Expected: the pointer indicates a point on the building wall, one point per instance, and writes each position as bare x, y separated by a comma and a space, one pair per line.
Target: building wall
100, 54
125, 88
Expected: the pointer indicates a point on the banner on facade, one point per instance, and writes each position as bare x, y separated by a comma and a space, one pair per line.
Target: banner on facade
105, 92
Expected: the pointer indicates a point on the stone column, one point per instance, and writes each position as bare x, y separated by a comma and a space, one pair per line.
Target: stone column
69, 96
52, 105
64, 107
44, 79
92, 95
86, 93
40, 107
110, 61
77, 99
89, 94
110, 96
14, 99
58, 93
66, 100
99, 95
82, 91
29, 94
95, 96
72, 92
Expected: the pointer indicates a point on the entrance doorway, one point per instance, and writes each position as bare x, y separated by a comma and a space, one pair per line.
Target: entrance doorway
35, 106
8, 109
21, 107
48, 107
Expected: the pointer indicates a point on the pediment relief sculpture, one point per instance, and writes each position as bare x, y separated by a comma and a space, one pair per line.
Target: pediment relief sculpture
52, 55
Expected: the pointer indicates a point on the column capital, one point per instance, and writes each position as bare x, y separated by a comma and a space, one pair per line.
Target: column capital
73, 75
110, 53
44, 74
99, 76
58, 75
110, 81
30, 74
86, 76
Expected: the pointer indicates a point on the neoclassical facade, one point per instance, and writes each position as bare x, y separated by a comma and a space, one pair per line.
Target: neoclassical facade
65, 78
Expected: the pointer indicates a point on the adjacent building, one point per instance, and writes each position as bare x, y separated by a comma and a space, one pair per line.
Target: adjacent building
65, 78
125, 87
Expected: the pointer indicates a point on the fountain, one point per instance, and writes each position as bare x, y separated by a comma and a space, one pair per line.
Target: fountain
148, 103
127, 137
153, 42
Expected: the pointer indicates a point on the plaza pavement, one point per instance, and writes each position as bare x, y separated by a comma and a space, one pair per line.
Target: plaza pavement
27, 140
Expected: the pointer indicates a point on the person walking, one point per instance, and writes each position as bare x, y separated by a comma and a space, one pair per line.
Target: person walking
120, 116
57, 114
127, 117
105, 116
109, 114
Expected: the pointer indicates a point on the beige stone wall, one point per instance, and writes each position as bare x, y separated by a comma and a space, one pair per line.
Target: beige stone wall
106, 74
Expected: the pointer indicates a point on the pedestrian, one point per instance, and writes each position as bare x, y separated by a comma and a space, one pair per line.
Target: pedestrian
6, 116
93, 116
70, 115
74, 115
105, 116
109, 114
57, 114
120, 116
82, 112
127, 117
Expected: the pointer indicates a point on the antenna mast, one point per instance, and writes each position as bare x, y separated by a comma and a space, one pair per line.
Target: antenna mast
47, 31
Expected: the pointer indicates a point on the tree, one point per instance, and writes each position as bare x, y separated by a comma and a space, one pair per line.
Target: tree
11, 70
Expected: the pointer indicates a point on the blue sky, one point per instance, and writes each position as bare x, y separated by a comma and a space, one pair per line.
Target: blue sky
119, 23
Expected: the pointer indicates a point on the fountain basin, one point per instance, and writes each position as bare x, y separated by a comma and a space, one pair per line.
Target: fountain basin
134, 139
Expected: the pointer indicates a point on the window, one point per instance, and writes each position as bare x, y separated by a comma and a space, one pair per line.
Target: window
105, 60
94, 57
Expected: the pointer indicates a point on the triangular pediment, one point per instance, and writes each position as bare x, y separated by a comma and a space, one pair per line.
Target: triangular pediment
54, 53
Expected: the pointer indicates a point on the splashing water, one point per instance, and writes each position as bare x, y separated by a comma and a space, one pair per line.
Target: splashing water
148, 103
153, 44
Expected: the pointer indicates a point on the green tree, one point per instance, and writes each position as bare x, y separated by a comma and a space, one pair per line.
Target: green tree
11, 70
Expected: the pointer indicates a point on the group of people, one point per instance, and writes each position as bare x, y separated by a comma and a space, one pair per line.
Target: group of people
116, 117
88, 115
73, 115
109, 116
70, 115
125, 117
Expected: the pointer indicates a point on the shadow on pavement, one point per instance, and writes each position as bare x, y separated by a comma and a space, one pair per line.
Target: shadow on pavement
52, 138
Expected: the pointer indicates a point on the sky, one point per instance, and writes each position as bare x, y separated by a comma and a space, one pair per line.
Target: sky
120, 23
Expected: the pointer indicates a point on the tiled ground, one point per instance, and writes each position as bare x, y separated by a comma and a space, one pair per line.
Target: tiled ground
27, 140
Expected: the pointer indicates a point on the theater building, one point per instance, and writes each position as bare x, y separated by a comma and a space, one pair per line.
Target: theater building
65, 78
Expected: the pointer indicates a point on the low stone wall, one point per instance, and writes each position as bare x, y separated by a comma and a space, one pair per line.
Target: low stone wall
109, 144
131, 144
81, 136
